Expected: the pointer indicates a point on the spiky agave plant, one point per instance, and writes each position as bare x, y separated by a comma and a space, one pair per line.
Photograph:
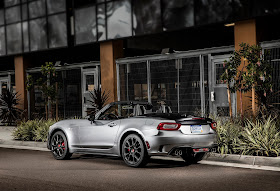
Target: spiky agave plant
261, 137
98, 99
9, 112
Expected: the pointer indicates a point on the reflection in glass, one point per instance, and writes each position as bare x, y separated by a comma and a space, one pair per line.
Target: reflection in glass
36, 8
14, 41
212, 11
1, 17
119, 19
11, 2
55, 6
24, 12
38, 36
25, 36
147, 21
85, 25
2, 41
12, 14
57, 35
101, 23
164, 81
177, 14
133, 82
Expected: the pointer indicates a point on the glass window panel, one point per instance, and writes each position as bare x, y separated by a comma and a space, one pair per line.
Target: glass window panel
177, 14
38, 35
57, 35
101, 23
190, 100
206, 85
12, 14
2, 41
100, 1
72, 93
119, 19
55, 6
144, 20
212, 11
14, 40
24, 11
89, 83
1, 17
164, 83
11, 2
25, 36
85, 25
220, 69
133, 82
37, 9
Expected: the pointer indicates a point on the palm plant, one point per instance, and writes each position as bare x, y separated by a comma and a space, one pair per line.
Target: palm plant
9, 112
98, 99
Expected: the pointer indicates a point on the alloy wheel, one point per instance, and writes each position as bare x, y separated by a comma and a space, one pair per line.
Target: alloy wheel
133, 151
58, 145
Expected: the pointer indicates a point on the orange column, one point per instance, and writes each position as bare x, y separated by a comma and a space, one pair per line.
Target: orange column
245, 31
109, 52
20, 79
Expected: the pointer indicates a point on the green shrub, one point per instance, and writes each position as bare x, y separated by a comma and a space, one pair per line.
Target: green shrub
33, 130
41, 133
228, 133
261, 137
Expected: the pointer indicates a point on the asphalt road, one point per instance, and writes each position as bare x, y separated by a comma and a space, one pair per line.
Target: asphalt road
37, 170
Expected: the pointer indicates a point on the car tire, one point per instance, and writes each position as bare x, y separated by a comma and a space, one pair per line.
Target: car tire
134, 152
59, 146
190, 158
198, 157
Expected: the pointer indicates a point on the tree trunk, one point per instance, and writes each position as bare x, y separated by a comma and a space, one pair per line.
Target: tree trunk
229, 97
49, 99
229, 102
241, 107
56, 102
28, 102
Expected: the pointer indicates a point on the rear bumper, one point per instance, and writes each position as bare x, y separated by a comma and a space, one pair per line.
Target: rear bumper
164, 145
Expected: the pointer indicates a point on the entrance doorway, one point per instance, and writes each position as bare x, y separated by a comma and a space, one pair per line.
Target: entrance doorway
218, 88
4, 84
89, 83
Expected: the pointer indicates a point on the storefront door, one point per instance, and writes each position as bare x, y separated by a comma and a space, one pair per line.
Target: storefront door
218, 88
89, 83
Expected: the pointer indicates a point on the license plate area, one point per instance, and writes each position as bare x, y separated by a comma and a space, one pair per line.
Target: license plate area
196, 129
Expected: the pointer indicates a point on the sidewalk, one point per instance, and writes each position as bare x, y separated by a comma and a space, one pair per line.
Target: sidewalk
241, 161
7, 141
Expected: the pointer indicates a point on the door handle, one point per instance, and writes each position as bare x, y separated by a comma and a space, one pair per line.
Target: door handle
112, 124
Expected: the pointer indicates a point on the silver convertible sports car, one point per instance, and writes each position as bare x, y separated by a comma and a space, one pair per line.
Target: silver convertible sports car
130, 131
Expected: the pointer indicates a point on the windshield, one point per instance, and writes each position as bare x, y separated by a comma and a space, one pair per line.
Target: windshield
120, 111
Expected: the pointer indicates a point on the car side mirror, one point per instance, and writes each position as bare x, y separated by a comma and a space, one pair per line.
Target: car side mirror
91, 118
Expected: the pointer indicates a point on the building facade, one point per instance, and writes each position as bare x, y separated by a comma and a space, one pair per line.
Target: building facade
151, 50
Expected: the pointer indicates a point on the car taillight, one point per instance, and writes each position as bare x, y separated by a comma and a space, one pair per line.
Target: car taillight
214, 125
168, 126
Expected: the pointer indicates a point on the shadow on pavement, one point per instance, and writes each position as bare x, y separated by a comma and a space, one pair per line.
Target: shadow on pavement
152, 164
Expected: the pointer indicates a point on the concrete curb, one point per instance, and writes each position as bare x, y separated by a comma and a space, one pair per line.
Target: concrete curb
244, 159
